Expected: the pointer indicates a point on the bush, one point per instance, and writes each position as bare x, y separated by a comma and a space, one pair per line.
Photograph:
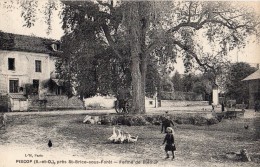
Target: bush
121, 120
106, 120
154, 119
141, 120
199, 120
212, 121
138, 120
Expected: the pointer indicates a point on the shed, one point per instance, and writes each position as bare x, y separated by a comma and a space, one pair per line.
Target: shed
18, 102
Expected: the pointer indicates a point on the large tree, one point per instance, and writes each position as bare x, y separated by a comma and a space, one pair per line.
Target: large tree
173, 27
177, 27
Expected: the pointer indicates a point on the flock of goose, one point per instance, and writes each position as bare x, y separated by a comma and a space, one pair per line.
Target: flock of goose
120, 137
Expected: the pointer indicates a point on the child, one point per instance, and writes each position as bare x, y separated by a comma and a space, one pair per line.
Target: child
167, 122
4, 119
169, 139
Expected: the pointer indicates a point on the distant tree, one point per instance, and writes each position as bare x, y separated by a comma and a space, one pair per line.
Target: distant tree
177, 81
202, 85
188, 81
235, 88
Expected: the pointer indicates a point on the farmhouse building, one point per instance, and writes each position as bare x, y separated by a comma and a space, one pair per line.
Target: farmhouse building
25, 61
253, 81
27, 73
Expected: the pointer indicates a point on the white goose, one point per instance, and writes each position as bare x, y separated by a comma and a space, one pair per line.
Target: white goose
118, 138
114, 135
132, 139
123, 137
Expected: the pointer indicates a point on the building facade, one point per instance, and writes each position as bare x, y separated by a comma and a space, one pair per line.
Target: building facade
253, 82
25, 62
20, 69
27, 75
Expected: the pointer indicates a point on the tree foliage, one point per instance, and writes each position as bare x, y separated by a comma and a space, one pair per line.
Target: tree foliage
235, 88
177, 81
199, 84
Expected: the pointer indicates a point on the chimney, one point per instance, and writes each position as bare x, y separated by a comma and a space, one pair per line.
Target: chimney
257, 66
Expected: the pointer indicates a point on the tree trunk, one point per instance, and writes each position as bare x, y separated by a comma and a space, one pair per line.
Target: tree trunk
143, 57
135, 36
143, 80
138, 96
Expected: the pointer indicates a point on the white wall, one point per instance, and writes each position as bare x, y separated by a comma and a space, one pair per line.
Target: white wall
24, 68
151, 103
109, 102
215, 97
102, 101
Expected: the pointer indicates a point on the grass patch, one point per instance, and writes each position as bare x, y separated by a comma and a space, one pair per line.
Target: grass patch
197, 145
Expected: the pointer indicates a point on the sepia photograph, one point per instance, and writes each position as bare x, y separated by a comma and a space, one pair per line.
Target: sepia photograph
149, 83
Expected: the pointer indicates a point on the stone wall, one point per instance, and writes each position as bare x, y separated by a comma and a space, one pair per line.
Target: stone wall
59, 102
53, 102
177, 95
178, 103
108, 102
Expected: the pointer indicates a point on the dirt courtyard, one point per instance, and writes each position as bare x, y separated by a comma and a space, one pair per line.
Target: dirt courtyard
24, 143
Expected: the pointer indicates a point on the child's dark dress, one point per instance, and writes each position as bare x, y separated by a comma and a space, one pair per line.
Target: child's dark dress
169, 139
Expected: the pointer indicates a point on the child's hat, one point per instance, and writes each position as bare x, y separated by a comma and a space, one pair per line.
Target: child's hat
170, 129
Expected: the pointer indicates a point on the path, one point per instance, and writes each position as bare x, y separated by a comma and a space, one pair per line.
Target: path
186, 109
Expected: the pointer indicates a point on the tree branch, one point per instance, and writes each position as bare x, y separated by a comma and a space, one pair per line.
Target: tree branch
194, 55
199, 24
189, 17
110, 40
153, 45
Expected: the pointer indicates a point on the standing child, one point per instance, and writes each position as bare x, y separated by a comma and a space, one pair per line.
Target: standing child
4, 119
167, 122
169, 139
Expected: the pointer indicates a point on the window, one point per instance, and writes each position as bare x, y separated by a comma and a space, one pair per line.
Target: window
55, 47
11, 64
13, 86
38, 66
35, 86
59, 90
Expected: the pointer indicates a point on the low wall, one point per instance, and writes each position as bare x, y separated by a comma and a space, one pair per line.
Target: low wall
53, 102
108, 102
177, 95
63, 102
177, 103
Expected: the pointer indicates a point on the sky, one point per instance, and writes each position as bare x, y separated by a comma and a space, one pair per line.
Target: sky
12, 22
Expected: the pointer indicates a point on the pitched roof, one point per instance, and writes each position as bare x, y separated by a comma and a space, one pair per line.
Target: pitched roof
58, 82
255, 75
9, 41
